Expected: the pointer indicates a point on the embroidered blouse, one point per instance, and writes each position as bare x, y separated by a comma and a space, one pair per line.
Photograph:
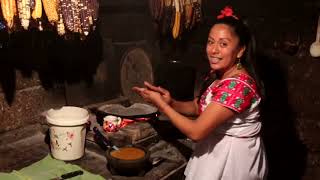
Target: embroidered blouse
237, 93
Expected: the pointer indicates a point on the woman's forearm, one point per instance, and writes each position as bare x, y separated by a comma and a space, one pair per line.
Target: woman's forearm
183, 123
204, 124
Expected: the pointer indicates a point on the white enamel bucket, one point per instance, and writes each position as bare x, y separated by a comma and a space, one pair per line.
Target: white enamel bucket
67, 128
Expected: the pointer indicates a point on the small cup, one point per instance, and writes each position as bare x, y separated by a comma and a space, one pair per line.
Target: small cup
111, 123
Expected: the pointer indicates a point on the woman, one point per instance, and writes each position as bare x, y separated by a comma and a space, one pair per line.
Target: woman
228, 145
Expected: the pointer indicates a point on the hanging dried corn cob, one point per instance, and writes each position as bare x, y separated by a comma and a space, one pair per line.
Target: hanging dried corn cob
84, 16
193, 19
91, 11
94, 8
88, 15
173, 16
50, 8
24, 12
76, 13
197, 14
182, 17
60, 26
158, 6
156, 9
36, 8
9, 10
161, 9
167, 13
188, 10
67, 14
176, 26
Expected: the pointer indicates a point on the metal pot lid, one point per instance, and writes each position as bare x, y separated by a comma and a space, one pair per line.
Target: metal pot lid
136, 67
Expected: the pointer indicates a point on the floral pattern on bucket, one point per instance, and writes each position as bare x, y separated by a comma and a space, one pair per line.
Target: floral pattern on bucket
62, 141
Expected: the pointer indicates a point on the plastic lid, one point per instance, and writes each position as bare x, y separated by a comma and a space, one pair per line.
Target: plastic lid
67, 116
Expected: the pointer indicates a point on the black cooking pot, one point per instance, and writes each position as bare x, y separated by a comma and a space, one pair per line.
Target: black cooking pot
128, 167
124, 167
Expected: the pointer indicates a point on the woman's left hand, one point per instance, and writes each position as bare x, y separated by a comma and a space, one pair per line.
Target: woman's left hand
149, 95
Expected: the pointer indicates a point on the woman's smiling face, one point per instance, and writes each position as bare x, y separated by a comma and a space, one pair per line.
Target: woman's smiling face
223, 48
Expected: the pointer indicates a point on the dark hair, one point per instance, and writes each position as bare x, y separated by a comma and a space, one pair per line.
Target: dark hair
245, 39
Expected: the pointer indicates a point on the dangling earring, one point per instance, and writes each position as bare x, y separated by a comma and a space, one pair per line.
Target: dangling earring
239, 65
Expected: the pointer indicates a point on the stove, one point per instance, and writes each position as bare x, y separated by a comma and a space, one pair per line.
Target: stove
22, 147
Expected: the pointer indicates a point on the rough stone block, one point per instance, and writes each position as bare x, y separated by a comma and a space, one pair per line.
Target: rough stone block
28, 106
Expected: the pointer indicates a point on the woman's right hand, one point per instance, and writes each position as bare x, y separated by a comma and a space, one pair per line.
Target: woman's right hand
165, 94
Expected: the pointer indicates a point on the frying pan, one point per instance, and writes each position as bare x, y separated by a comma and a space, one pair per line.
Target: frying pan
136, 112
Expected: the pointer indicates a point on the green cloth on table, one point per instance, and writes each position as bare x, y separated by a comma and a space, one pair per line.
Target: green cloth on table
46, 169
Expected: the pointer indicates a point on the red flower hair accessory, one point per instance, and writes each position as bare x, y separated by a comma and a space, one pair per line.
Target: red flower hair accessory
227, 12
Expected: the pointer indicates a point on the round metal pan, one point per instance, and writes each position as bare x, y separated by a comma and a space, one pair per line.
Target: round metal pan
133, 112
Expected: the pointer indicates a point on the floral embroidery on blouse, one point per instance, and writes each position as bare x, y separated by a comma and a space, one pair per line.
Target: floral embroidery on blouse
237, 93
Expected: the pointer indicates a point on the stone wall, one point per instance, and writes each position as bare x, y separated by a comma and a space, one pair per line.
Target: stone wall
29, 102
